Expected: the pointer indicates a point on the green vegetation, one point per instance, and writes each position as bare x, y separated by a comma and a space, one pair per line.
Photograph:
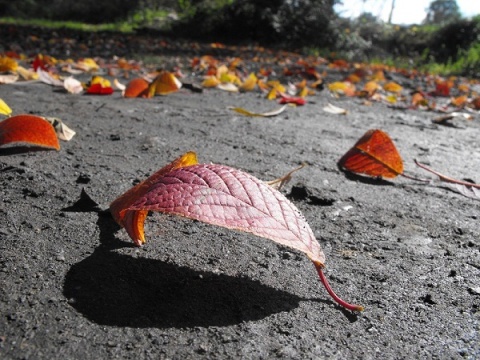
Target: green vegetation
445, 44
74, 25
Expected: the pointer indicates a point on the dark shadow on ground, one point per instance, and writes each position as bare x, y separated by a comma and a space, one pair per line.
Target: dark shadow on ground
366, 180
18, 150
118, 290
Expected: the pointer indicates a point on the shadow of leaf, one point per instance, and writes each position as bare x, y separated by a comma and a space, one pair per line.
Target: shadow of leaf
366, 179
118, 290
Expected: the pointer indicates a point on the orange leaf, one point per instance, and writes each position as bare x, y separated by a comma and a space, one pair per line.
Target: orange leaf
419, 100
392, 87
28, 130
371, 87
165, 83
342, 87
137, 87
133, 221
7, 64
374, 154
459, 101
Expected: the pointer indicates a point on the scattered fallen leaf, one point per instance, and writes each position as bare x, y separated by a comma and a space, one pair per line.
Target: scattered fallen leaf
292, 100
165, 83
4, 108
468, 189
459, 101
342, 88
88, 65
62, 130
8, 78
418, 99
222, 196
7, 64
250, 83
137, 87
99, 86
21, 130
375, 155
443, 120
48, 78
210, 81
72, 85
228, 87
266, 114
332, 109
392, 87
119, 85
27, 74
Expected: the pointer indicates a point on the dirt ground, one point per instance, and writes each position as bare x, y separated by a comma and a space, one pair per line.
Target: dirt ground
73, 286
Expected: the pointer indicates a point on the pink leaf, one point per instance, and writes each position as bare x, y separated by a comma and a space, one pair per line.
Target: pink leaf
223, 196
227, 197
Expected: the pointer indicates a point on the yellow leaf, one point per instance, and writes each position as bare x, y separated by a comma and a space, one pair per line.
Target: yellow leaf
4, 108
100, 80
342, 87
210, 82
8, 64
272, 94
392, 87
391, 98
304, 92
88, 64
228, 77
275, 84
27, 74
249, 83
266, 114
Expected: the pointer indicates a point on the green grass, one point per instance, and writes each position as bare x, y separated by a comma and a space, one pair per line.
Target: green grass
122, 27
468, 63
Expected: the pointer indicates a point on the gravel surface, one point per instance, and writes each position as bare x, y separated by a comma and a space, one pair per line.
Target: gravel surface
73, 286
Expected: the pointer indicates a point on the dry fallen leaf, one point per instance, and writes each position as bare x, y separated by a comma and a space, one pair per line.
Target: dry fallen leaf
4, 108
332, 109
375, 155
62, 130
266, 114
443, 120
137, 87
7, 64
72, 85
24, 130
165, 83
468, 189
8, 78
222, 196
393, 87
48, 78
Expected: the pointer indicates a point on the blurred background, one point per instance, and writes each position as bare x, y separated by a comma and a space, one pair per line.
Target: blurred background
438, 33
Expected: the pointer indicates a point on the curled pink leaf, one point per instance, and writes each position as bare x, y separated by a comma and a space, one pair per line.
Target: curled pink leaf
222, 196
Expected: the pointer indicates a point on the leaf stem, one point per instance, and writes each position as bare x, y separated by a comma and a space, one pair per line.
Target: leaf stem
446, 178
323, 279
